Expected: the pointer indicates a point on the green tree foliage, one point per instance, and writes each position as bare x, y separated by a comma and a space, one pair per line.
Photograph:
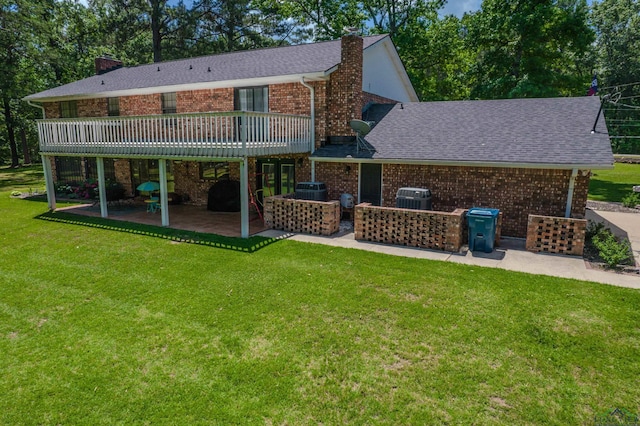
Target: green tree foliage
529, 48
436, 58
617, 25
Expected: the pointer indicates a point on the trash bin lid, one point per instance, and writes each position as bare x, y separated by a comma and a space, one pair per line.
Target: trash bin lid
484, 212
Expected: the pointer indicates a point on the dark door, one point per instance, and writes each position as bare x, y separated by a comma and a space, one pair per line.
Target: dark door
370, 183
275, 177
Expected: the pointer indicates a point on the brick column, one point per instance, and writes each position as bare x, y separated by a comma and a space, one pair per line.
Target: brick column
344, 100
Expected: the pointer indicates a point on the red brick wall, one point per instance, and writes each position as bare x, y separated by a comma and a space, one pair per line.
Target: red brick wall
412, 228
344, 92
516, 192
140, 105
370, 97
51, 109
556, 235
210, 100
92, 107
103, 65
338, 180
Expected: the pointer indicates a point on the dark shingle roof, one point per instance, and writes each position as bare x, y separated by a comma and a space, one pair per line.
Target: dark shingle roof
248, 64
554, 131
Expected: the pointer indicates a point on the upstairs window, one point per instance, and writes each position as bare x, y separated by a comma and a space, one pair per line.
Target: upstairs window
252, 99
169, 103
113, 107
68, 109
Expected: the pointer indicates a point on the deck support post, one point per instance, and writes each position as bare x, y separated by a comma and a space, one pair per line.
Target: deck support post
48, 180
164, 202
244, 198
102, 190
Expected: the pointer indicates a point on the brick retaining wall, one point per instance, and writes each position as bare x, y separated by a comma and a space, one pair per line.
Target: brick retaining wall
303, 216
413, 228
556, 235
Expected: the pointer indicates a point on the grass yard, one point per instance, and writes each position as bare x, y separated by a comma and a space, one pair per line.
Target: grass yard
613, 185
99, 326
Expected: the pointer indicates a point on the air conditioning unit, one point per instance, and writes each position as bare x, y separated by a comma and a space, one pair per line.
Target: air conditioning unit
413, 198
315, 191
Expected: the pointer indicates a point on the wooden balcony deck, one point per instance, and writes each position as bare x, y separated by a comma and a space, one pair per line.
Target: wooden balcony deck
234, 134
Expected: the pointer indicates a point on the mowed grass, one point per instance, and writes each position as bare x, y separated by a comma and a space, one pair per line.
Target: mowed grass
615, 184
105, 327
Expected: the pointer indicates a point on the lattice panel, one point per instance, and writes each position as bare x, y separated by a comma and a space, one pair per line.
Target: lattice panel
556, 235
302, 216
412, 228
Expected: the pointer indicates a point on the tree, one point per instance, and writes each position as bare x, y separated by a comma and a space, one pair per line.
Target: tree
617, 25
529, 48
20, 23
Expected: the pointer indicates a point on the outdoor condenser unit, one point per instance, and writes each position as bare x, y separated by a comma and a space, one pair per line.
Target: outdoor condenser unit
315, 191
413, 198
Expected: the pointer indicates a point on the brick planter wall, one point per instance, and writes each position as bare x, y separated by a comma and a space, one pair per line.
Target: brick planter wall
303, 216
413, 228
556, 235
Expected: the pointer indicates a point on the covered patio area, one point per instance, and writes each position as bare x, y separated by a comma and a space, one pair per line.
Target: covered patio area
184, 217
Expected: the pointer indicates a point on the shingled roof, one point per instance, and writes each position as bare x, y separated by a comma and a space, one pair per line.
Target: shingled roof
549, 132
295, 60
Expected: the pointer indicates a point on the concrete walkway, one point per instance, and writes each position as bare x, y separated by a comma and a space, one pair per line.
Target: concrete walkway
511, 254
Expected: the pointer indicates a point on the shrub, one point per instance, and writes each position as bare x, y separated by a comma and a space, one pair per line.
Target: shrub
593, 229
612, 251
631, 200
87, 189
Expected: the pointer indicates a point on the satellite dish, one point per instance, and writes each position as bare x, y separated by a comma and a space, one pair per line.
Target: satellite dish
360, 127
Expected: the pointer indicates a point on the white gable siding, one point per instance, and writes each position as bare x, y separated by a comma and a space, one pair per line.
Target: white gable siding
383, 73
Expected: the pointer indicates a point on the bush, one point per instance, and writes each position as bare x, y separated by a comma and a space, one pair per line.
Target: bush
631, 200
612, 251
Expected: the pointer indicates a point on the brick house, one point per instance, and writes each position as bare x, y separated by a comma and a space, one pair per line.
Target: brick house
271, 117
522, 156
254, 116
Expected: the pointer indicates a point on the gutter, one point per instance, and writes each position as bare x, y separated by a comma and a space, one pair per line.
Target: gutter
313, 113
103, 91
597, 166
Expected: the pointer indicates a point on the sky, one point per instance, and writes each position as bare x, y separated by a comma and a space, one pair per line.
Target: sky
459, 7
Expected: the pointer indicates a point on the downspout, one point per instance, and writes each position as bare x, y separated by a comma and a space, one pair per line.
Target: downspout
38, 106
313, 125
572, 184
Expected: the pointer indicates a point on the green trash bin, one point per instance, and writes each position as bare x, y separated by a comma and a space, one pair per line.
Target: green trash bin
482, 228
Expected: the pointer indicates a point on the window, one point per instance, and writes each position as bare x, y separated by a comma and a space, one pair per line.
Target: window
214, 170
68, 109
113, 107
169, 103
252, 99
149, 170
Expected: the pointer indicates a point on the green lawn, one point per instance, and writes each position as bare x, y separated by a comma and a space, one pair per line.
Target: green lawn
613, 185
100, 326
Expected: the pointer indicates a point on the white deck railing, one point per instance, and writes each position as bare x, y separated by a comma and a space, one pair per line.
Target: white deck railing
220, 135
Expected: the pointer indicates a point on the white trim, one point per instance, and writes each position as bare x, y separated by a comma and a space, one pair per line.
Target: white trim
102, 190
164, 193
224, 84
467, 163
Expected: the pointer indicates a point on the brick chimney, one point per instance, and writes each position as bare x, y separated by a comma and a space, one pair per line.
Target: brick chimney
106, 63
345, 90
